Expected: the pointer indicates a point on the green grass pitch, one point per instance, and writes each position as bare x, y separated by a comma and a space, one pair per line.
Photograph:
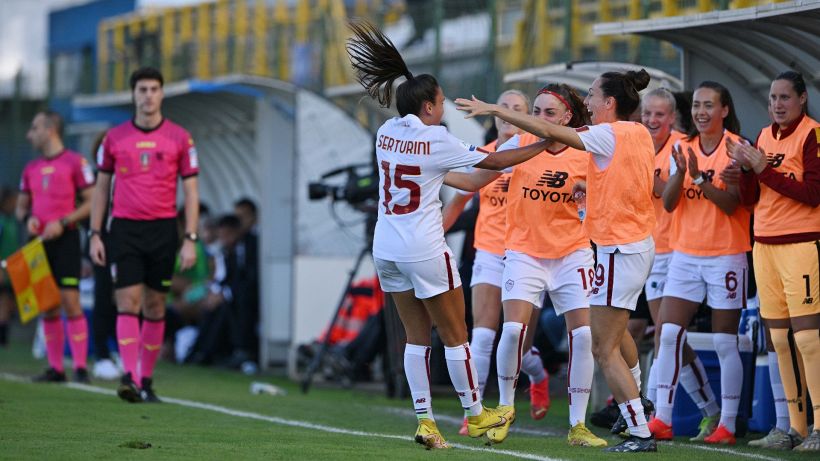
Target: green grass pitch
210, 414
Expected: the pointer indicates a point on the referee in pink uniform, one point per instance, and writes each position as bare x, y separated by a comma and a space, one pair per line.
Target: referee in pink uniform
146, 155
50, 189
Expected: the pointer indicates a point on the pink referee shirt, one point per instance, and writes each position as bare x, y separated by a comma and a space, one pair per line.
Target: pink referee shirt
146, 164
53, 184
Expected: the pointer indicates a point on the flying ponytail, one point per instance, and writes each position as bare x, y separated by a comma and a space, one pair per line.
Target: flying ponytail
378, 64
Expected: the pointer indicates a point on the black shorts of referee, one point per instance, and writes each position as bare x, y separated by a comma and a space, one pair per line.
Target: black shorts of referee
64, 255
143, 252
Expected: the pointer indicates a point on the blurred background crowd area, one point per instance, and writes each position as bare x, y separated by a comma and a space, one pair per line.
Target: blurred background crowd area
57, 49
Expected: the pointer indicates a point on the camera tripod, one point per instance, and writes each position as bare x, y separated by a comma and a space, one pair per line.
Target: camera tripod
316, 362
370, 211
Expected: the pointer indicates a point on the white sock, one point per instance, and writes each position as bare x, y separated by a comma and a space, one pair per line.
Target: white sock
652, 384
731, 373
463, 375
694, 380
636, 373
532, 365
670, 357
482, 349
579, 373
508, 360
781, 405
417, 370
632, 411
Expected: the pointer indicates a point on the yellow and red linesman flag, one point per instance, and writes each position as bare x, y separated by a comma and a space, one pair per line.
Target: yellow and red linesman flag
34, 286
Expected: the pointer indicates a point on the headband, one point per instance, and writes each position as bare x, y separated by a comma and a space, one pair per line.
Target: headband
558, 96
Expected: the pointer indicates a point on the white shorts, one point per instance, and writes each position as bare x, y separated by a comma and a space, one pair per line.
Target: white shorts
719, 279
657, 276
528, 278
618, 278
428, 278
487, 268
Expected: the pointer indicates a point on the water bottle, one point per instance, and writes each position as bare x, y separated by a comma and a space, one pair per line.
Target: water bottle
258, 388
580, 198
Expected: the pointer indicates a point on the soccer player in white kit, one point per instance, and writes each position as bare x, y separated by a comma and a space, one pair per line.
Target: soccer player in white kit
414, 153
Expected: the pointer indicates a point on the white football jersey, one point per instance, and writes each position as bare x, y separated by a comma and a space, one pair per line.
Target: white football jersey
412, 160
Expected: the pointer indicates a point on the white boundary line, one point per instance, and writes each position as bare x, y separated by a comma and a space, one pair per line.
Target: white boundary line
290, 422
336, 430
721, 450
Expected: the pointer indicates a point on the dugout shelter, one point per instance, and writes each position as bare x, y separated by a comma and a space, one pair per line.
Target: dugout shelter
265, 139
743, 49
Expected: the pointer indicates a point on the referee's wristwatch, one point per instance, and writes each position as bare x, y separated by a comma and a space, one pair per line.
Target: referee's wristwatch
699, 180
65, 223
93, 232
192, 236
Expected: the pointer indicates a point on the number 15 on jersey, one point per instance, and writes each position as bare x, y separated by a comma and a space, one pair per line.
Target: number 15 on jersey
401, 183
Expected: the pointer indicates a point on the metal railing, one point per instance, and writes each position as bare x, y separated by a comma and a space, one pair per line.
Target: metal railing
468, 44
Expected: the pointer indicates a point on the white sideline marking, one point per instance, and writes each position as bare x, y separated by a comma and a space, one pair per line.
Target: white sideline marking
336, 430
290, 422
721, 450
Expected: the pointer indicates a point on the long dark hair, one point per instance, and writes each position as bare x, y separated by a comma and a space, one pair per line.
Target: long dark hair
624, 87
730, 122
683, 104
580, 116
378, 64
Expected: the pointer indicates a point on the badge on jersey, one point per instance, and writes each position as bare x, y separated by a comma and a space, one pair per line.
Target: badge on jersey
88, 174
45, 181
145, 159
468, 147
193, 160
101, 153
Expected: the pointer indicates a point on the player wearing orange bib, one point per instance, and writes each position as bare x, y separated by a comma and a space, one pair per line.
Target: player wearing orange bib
554, 259
620, 219
783, 177
488, 267
710, 238
658, 115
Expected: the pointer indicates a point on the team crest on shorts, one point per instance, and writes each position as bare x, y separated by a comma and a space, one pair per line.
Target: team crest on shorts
477, 269
509, 284
114, 272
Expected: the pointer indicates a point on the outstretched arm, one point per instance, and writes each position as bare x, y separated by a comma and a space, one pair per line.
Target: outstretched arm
508, 158
470, 182
526, 122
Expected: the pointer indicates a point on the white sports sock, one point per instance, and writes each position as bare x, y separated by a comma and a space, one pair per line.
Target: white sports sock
694, 380
632, 411
532, 365
482, 349
636, 374
508, 360
731, 377
579, 373
417, 370
670, 358
463, 375
652, 384
781, 405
